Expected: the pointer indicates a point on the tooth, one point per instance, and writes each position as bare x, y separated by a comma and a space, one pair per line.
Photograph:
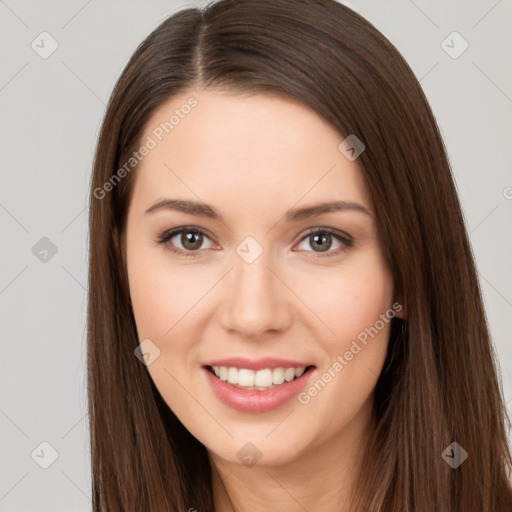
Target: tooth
299, 371
278, 376
263, 378
245, 377
289, 374
233, 375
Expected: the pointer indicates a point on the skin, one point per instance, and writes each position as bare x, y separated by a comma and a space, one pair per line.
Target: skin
253, 158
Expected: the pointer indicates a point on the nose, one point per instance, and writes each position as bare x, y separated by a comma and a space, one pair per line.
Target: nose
257, 299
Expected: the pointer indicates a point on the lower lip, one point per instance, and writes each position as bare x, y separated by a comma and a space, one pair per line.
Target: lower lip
254, 401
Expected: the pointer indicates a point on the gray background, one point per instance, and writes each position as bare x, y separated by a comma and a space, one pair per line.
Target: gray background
51, 109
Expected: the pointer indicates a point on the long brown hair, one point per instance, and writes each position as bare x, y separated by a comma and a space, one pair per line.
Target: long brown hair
439, 384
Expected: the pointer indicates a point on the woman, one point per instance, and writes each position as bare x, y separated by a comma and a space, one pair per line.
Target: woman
284, 312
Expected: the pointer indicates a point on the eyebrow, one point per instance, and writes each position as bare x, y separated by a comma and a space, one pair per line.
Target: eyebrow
293, 215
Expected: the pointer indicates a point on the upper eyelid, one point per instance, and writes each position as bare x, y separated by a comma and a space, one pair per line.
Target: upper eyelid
332, 231
171, 233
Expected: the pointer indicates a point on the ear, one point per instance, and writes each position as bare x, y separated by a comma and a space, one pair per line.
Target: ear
117, 243
399, 308
116, 238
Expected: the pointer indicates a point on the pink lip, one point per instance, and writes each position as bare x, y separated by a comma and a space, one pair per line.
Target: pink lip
256, 364
254, 401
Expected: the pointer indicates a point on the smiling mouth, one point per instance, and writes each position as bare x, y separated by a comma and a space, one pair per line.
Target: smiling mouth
259, 380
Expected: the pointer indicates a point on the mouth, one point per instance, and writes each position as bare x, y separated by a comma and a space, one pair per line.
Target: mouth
257, 385
258, 380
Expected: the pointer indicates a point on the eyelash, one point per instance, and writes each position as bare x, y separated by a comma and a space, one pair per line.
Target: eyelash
166, 236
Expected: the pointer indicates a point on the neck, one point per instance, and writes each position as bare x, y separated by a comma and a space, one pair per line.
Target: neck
320, 478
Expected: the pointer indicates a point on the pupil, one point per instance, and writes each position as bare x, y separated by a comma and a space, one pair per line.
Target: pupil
188, 240
324, 238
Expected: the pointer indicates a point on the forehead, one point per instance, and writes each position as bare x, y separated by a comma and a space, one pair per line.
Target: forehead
257, 149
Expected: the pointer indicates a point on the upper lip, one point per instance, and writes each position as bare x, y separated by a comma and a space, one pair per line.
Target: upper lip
257, 364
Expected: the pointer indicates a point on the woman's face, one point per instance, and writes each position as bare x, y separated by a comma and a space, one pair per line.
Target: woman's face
262, 282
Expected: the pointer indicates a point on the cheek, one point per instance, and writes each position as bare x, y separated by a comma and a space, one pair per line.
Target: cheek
350, 300
161, 293
165, 300
157, 305
355, 349
168, 304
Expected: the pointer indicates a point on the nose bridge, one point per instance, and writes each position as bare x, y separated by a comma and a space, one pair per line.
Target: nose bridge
256, 301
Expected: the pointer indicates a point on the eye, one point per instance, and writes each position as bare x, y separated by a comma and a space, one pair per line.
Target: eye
186, 241
321, 240
189, 241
